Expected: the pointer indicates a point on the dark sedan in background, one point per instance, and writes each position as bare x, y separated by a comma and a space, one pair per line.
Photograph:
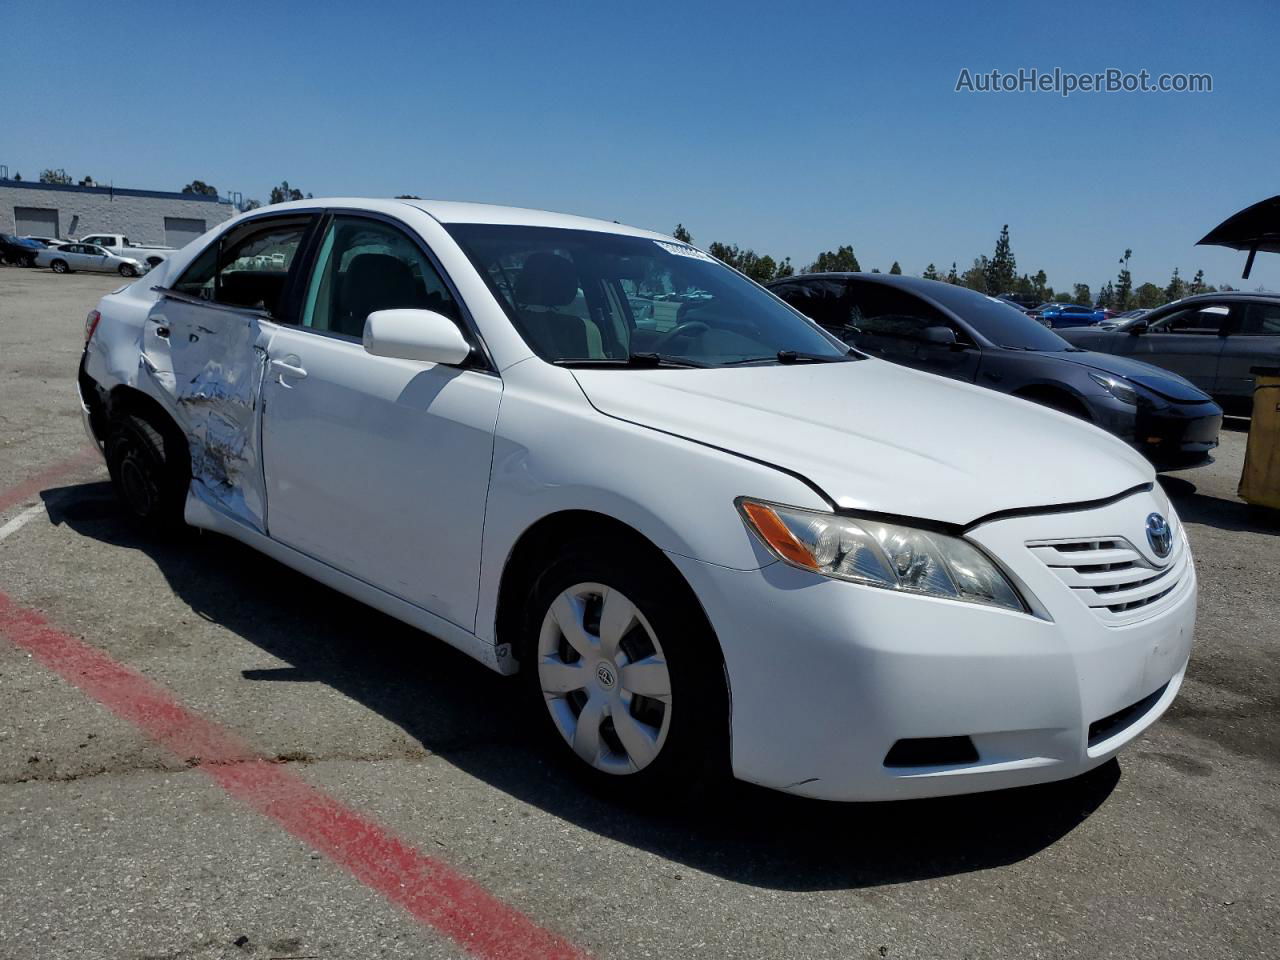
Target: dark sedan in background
955, 332
1212, 339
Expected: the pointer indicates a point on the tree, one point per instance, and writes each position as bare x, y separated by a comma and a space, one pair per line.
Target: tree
248, 205
896, 268
952, 277
201, 188
840, 260
760, 268
1177, 288
1107, 295
87, 181
681, 234
1002, 268
284, 193
1062, 297
17, 176
407, 196
1197, 283
1222, 288
54, 176
1124, 284
1081, 294
975, 278
1149, 295
931, 273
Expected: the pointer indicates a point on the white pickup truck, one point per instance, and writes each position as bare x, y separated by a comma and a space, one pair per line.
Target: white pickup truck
119, 245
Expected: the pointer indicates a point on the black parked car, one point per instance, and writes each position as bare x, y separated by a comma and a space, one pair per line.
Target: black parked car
18, 250
1212, 339
955, 332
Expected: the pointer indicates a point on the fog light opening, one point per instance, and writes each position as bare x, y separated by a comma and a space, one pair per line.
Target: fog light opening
931, 752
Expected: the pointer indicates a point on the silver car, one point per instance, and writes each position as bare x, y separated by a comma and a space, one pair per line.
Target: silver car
88, 256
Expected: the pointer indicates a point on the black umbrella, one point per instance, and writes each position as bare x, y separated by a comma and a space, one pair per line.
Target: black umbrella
1253, 228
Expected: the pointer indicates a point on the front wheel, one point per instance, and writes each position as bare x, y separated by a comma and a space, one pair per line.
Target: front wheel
59, 266
127, 271
626, 673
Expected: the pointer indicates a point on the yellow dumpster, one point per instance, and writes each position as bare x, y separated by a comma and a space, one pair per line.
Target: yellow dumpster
1260, 481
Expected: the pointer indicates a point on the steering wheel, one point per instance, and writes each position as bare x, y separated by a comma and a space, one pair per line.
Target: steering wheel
687, 329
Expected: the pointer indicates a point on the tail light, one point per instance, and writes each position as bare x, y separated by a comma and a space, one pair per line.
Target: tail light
91, 324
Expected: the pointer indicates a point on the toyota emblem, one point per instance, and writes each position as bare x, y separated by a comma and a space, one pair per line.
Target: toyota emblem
1159, 535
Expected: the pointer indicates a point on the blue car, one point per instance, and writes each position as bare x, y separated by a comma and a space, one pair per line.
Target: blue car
1070, 315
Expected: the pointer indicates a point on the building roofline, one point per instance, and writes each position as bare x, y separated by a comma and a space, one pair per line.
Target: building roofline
112, 191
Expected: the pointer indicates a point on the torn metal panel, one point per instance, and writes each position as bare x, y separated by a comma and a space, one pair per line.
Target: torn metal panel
218, 360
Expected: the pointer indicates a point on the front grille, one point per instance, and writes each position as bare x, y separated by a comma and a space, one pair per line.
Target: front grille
1112, 577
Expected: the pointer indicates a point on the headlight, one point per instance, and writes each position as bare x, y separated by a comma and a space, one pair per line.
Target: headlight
880, 554
1117, 388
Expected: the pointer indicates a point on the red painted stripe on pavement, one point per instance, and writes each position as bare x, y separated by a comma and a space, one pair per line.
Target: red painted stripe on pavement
429, 889
30, 487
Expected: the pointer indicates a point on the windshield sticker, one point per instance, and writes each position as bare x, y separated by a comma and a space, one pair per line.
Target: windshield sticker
681, 250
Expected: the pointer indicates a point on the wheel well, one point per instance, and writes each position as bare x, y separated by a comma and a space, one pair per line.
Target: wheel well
126, 399
1057, 399
537, 544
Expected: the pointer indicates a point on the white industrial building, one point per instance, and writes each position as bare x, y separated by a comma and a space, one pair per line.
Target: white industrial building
144, 216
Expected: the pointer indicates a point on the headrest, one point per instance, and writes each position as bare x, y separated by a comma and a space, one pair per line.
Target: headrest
547, 280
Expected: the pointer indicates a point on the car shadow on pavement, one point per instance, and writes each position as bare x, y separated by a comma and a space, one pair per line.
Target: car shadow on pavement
1196, 507
473, 719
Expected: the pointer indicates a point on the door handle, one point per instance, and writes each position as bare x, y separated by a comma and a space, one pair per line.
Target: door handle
290, 366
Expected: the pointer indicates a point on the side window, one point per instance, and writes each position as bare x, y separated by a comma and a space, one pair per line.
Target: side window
886, 312
1261, 320
1206, 321
248, 267
826, 302
367, 265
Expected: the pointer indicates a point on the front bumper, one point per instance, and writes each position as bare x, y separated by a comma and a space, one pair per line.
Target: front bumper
827, 676
1172, 438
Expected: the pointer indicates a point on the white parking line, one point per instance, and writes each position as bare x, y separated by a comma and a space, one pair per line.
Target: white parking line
21, 520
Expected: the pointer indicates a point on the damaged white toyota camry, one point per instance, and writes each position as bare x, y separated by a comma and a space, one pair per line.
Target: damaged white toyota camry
708, 535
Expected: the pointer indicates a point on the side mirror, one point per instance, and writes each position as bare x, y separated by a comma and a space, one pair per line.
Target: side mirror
1138, 328
422, 335
940, 336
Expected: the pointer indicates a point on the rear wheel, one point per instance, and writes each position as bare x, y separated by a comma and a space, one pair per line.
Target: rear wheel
625, 672
59, 266
126, 270
150, 470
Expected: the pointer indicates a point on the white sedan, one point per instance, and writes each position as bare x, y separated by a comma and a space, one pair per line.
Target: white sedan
69, 257
708, 535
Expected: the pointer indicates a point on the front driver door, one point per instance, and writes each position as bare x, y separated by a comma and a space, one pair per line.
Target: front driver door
378, 467
1253, 342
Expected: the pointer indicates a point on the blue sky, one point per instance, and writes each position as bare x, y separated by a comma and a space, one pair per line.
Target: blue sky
788, 128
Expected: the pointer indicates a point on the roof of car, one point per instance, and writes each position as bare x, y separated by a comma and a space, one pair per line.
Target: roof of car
452, 211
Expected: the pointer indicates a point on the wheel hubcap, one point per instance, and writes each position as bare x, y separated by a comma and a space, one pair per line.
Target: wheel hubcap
604, 678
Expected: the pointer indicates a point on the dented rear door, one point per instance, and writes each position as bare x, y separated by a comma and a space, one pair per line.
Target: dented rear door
218, 357
218, 318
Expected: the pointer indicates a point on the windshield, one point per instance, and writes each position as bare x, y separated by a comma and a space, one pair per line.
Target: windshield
583, 296
995, 320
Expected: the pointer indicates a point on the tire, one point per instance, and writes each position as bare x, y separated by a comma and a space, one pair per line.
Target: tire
127, 271
658, 730
59, 266
150, 470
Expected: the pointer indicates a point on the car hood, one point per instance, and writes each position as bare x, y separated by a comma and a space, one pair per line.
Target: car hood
879, 437
1166, 384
